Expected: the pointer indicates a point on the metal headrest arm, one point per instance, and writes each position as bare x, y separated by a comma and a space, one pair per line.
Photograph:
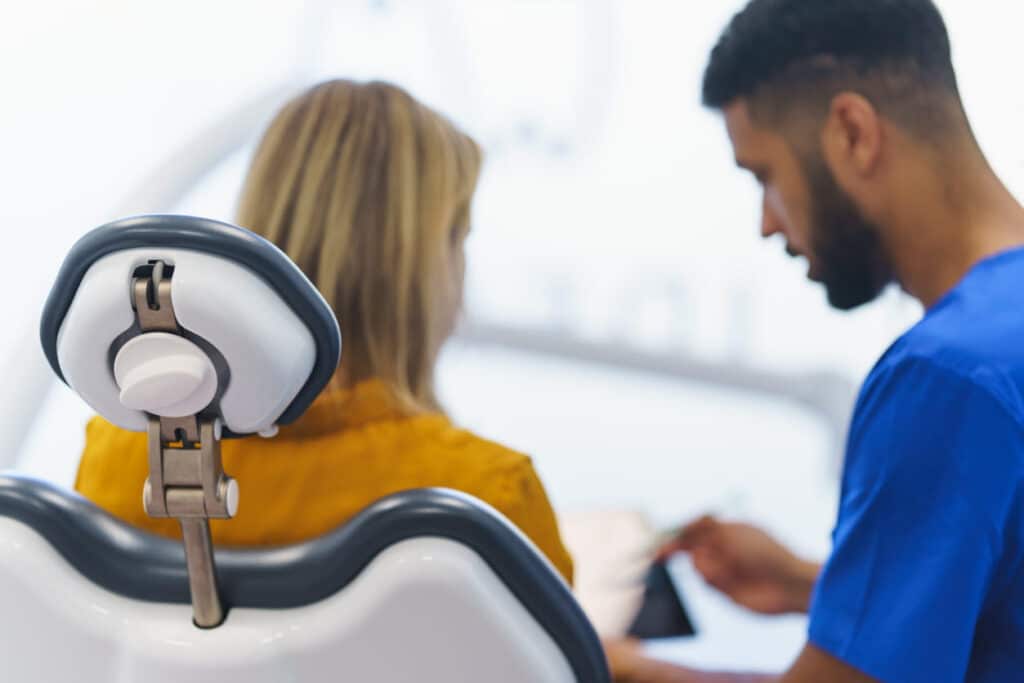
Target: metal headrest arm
186, 478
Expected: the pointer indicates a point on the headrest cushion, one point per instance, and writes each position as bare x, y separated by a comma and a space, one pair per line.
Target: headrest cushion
235, 294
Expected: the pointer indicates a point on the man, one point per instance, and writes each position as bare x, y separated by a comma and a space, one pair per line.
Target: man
848, 114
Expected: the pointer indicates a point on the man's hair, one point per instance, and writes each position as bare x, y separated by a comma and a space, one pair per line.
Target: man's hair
788, 55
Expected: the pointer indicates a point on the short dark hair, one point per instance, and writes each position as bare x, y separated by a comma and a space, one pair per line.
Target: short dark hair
894, 52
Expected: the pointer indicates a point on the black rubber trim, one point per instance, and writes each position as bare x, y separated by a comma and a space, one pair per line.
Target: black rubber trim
211, 237
141, 566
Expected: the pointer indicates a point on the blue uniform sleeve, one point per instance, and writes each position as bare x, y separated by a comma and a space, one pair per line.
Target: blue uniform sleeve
924, 502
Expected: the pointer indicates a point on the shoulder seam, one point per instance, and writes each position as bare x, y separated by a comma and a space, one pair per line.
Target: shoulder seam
958, 374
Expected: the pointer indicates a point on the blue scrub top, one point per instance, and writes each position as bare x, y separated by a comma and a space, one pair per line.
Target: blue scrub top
926, 578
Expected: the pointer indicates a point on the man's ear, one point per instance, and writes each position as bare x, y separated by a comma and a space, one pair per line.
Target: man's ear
852, 137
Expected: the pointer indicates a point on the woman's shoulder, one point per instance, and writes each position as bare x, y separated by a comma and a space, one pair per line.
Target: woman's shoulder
506, 479
440, 435
99, 432
415, 444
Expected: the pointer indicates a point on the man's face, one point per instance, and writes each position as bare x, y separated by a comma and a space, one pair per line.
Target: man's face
802, 202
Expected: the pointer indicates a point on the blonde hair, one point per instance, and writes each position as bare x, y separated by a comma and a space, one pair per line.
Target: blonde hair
369, 192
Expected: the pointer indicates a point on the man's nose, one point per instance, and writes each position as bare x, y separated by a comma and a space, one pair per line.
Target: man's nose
769, 222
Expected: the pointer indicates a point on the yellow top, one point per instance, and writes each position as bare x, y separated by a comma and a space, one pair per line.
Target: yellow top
349, 449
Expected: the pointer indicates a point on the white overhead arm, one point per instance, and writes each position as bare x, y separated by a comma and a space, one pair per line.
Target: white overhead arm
827, 395
28, 378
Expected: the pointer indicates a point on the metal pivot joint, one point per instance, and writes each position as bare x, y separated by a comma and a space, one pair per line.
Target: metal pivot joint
186, 478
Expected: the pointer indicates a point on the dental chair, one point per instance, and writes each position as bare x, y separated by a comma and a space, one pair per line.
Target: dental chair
196, 331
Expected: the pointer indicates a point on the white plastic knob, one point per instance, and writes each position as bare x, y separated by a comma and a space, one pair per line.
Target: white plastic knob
231, 497
165, 375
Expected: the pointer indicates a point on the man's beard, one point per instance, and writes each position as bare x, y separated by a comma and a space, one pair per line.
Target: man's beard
850, 259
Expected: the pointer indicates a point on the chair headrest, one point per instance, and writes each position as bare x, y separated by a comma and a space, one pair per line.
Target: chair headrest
257, 342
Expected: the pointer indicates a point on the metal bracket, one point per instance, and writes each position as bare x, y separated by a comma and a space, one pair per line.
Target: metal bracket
151, 299
186, 477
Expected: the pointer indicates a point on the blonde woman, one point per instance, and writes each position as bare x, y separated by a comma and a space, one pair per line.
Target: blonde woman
369, 192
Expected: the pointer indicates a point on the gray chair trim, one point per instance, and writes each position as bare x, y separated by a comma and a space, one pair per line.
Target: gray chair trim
142, 566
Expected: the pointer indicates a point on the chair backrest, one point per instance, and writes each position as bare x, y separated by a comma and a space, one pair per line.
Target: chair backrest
425, 586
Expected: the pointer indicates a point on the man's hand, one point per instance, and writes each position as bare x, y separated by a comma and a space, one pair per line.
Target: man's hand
625, 658
748, 565
628, 664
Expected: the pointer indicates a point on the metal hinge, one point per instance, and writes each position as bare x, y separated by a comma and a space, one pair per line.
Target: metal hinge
186, 477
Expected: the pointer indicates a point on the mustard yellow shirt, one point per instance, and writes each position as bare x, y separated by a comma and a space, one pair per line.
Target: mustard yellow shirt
349, 449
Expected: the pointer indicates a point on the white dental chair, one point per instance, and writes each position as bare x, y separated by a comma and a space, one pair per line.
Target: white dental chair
195, 330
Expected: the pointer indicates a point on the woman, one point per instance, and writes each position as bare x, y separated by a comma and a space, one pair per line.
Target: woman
369, 192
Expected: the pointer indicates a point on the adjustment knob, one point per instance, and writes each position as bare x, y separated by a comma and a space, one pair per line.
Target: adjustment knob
164, 374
